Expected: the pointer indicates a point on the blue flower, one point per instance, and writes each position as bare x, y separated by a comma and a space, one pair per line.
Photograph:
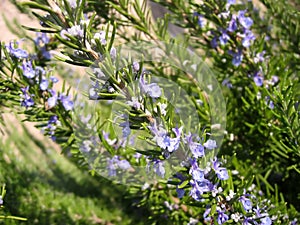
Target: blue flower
53, 79
124, 164
232, 24
221, 172
52, 101
180, 192
224, 38
16, 52
231, 2
246, 22
259, 80
266, 221
67, 102
27, 101
210, 144
246, 202
126, 127
214, 42
159, 168
248, 37
153, 90
259, 57
237, 57
28, 70
111, 167
197, 174
196, 148
44, 84
163, 140
222, 217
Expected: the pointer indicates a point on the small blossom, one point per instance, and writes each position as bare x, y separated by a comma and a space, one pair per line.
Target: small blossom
246, 202
266, 221
44, 84
75, 31
27, 101
28, 70
221, 172
214, 42
232, 26
101, 37
180, 192
196, 148
246, 22
159, 168
259, 57
134, 103
258, 80
86, 146
210, 144
124, 164
113, 53
153, 90
224, 38
222, 217
52, 101
16, 52
237, 57
67, 102
248, 37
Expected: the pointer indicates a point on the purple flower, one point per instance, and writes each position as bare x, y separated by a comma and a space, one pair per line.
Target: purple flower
124, 164
16, 52
259, 80
197, 174
159, 168
214, 42
248, 37
195, 192
53, 79
52, 101
135, 103
73, 3
259, 57
163, 140
135, 66
224, 38
201, 21
126, 128
196, 148
28, 71
44, 84
237, 57
27, 101
246, 202
231, 2
75, 31
67, 102
221, 172
266, 221
180, 192
41, 39
210, 144
246, 22
206, 213
222, 217
111, 167
153, 90
232, 24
